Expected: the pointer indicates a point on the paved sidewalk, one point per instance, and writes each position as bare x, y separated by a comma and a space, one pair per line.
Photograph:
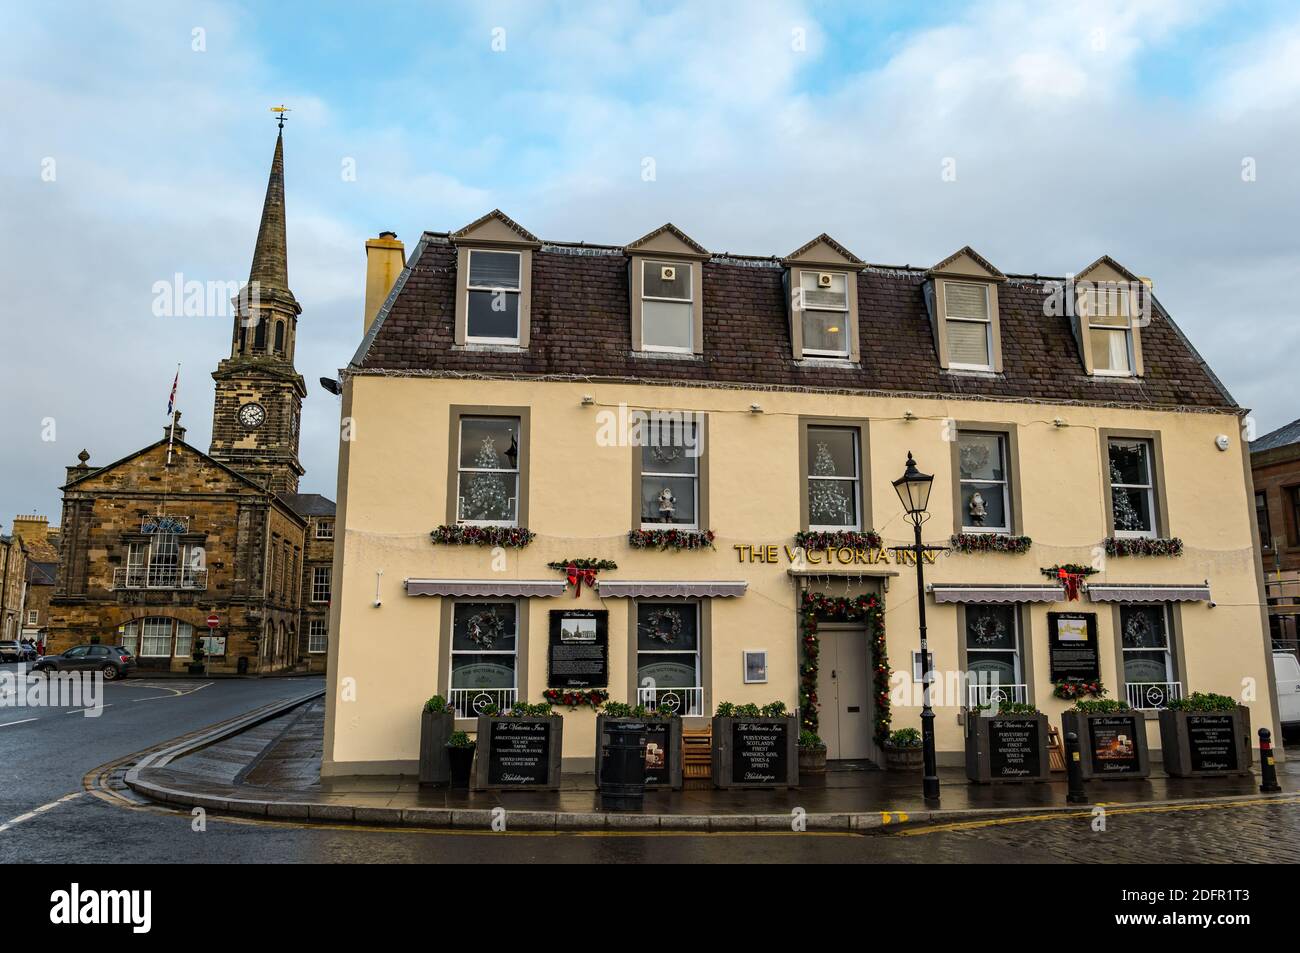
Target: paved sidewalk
271, 769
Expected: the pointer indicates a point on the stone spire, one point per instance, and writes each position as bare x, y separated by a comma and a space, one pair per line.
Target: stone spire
270, 256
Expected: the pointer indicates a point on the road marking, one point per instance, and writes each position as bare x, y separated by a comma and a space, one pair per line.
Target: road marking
23, 722
91, 708
175, 692
1075, 815
37, 811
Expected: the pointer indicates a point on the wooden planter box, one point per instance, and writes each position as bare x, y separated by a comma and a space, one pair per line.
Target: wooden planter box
435, 729
1112, 746
519, 754
1006, 748
903, 759
665, 733
812, 760
1206, 744
756, 752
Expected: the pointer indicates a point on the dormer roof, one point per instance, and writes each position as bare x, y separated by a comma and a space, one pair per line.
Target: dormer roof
966, 262
496, 227
823, 250
667, 239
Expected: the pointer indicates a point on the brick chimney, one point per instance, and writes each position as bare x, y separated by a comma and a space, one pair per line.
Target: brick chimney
31, 528
385, 259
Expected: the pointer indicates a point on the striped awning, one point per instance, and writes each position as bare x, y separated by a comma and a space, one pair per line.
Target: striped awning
1148, 592
640, 588
485, 587
970, 593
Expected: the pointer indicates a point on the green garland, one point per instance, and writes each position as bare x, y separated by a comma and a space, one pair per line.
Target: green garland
1142, 546
990, 543
815, 607
576, 698
509, 537
662, 539
598, 565
820, 540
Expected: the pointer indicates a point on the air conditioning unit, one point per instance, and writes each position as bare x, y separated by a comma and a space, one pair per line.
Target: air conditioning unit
667, 273
824, 279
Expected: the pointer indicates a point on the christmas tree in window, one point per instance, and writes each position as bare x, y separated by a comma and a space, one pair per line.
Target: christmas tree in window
1127, 518
829, 503
487, 495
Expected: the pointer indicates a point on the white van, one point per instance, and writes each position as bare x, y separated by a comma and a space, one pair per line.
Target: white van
1286, 670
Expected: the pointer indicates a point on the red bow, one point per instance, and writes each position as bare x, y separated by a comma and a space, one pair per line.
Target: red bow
1070, 580
578, 576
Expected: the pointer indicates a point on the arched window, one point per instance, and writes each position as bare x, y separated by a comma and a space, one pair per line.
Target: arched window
279, 337
259, 336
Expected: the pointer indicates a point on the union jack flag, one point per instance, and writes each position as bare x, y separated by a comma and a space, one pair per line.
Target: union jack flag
171, 398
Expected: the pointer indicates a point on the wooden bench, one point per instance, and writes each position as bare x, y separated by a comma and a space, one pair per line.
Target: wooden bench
697, 753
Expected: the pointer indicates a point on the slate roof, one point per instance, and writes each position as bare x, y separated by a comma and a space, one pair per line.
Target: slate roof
580, 328
1281, 437
308, 504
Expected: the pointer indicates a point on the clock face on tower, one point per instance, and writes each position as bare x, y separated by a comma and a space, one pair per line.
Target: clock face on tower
252, 416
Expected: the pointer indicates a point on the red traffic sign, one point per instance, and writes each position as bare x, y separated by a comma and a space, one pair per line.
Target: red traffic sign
213, 621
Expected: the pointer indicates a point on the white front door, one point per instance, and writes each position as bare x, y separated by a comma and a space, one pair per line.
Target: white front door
844, 690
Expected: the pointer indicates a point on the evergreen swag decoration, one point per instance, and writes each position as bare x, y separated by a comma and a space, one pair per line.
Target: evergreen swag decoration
815, 607
818, 540
1142, 546
594, 565
662, 539
591, 697
1074, 688
990, 543
508, 537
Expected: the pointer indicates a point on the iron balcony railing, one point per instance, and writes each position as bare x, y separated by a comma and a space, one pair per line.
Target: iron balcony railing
171, 577
1149, 696
992, 694
472, 702
680, 701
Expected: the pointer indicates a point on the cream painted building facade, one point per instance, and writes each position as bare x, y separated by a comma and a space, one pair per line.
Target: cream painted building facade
1070, 429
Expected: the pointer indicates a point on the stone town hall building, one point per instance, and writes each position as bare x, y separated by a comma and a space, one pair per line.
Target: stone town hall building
157, 542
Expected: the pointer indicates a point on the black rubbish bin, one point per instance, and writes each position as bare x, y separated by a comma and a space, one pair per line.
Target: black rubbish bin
622, 766
242, 665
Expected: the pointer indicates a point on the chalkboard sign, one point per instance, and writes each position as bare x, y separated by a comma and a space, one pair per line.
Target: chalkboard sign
760, 752
1013, 748
1114, 744
578, 654
1212, 742
519, 752
1072, 645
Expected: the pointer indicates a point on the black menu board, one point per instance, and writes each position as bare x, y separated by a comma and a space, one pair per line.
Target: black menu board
578, 653
1114, 744
1013, 748
1212, 742
519, 752
1072, 645
760, 752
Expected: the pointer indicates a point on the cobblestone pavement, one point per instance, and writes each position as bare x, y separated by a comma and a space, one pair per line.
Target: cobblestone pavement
1238, 833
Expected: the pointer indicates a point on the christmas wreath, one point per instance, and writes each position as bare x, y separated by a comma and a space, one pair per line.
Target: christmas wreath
458, 534
664, 624
990, 543
815, 607
484, 628
1142, 546
590, 697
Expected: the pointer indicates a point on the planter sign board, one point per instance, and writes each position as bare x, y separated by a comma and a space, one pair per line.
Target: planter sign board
578, 653
755, 752
1072, 645
1111, 745
1200, 744
1012, 748
663, 749
519, 753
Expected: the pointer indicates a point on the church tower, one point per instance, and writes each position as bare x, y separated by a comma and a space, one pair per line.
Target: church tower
259, 395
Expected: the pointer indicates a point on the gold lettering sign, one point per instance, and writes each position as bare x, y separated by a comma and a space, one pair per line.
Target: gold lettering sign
770, 553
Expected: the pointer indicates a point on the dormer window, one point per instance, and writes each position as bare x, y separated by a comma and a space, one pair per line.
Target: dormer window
493, 290
667, 306
1108, 313
968, 325
824, 296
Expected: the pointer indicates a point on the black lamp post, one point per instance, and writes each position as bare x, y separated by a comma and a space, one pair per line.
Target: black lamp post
913, 488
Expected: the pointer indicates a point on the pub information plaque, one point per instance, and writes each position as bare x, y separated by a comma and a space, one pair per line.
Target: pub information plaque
578, 653
1114, 744
519, 752
1013, 748
1212, 742
759, 752
1072, 645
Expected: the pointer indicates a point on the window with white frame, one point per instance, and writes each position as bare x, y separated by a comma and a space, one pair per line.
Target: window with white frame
317, 636
487, 484
320, 584
670, 474
493, 287
968, 325
325, 529
993, 653
157, 637
1150, 677
160, 562
834, 478
985, 490
1107, 312
1132, 487
824, 306
484, 656
183, 646
667, 306
33, 616
668, 655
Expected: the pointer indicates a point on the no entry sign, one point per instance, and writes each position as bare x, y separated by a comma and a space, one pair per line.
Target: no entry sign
213, 621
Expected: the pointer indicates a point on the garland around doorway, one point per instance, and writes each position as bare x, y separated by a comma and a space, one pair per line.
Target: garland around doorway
816, 607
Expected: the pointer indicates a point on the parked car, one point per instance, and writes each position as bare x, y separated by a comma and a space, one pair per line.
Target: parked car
1286, 672
114, 661
11, 651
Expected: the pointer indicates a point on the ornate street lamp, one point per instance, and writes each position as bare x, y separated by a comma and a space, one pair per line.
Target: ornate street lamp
913, 488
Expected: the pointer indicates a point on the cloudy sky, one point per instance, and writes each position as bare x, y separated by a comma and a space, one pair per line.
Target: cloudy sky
135, 140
